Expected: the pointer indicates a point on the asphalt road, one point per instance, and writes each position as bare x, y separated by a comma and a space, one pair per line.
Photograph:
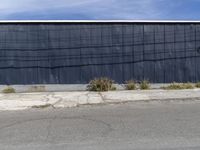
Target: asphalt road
131, 126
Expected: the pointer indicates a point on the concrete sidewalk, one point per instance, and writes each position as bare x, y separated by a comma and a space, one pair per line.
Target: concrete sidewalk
20, 101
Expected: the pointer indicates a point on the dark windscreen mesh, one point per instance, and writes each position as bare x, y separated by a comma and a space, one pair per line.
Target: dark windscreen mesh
76, 53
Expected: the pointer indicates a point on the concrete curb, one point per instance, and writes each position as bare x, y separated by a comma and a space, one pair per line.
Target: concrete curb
20, 101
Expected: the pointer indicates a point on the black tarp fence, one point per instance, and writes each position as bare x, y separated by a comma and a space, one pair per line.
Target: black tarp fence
74, 53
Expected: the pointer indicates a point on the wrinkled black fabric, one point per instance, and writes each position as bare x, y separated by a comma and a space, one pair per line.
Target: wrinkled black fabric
74, 53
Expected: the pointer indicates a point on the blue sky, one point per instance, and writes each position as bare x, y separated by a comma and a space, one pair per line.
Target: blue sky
99, 9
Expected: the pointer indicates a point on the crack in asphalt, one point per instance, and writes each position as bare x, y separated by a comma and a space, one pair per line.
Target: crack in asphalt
108, 126
49, 128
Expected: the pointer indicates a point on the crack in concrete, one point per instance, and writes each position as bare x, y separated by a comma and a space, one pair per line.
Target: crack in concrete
55, 100
48, 104
102, 97
47, 97
60, 99
87, 98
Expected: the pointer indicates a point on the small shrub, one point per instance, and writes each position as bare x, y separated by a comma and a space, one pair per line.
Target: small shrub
130, 85
179, 86
101, 84
8, 90
173, 86
113, 88
188, 86
144, 85
197, 85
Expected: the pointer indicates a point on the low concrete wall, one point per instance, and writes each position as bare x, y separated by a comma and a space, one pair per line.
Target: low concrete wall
46, 87
62, 87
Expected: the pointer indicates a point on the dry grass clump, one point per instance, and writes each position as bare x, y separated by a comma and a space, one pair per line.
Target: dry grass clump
8, 90
179, 86
101, 84
144, 85
197, 85
130, 85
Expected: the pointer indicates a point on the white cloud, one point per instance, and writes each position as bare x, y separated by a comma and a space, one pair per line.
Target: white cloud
98, 9
127, 9
21, 5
